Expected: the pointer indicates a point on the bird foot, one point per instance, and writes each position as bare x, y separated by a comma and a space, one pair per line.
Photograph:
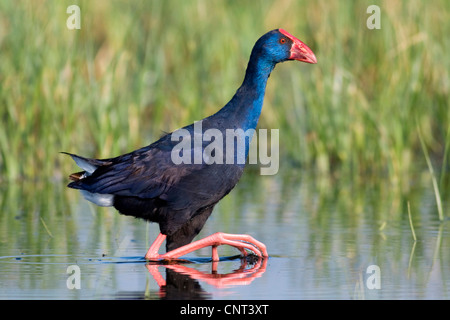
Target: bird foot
239, 241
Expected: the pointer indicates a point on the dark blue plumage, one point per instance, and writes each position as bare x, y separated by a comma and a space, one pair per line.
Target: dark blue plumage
180, 197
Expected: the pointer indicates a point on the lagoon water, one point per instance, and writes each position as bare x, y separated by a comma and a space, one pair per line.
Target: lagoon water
327, 239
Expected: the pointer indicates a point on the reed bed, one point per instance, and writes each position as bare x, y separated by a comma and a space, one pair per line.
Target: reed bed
137, 69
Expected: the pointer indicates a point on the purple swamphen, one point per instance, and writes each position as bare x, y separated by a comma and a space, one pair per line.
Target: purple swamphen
180, 197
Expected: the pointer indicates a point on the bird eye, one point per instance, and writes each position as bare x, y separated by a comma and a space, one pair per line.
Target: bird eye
283, 40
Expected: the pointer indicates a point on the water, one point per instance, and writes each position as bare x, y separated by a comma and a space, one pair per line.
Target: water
326, 240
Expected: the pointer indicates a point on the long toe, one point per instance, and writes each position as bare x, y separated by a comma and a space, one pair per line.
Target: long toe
239, 241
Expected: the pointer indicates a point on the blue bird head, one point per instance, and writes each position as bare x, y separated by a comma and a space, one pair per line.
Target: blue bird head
278, 45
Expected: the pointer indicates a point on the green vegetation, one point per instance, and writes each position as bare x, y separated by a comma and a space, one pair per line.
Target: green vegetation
364, 134
136, 69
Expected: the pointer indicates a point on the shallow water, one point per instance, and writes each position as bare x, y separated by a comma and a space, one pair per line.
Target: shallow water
326, 240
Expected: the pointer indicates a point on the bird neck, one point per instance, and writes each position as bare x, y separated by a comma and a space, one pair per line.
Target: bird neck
245, 106
243, 110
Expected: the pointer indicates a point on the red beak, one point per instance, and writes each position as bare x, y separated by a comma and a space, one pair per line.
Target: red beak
299, 50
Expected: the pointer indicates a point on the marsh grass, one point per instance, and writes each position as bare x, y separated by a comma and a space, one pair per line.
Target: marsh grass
411, 223
137, 69
437, 193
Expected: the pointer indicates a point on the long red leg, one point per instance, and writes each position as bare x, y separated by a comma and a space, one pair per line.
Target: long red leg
152, 252
239, 241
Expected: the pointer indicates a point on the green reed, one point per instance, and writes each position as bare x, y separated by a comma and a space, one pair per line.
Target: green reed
137, 69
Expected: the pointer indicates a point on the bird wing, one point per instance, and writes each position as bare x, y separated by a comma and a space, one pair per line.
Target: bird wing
149, 172
145, 173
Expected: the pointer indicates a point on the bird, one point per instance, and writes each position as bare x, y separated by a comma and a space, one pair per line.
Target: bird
180, 195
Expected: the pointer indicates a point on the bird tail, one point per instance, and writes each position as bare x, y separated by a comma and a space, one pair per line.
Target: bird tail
88, 165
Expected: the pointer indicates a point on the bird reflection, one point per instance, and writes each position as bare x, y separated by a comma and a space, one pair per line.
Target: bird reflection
184, 282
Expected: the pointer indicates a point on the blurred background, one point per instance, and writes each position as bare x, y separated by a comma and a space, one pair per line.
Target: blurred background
368, 126
137, 69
